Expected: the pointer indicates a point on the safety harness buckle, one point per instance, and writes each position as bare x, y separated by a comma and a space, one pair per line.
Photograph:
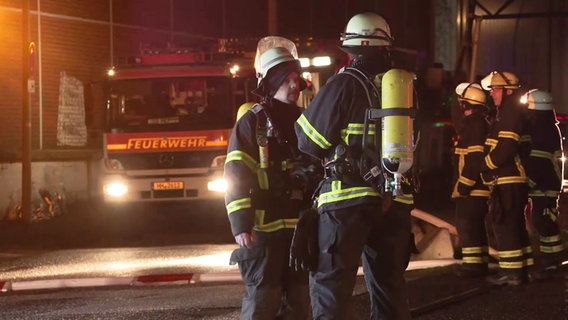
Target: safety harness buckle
372, 173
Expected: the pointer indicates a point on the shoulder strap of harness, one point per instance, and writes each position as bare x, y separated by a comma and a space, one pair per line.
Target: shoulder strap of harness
365, 83
262, 124
369, 163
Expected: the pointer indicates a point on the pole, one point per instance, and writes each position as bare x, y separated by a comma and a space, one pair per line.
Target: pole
26, 116
272, 17
475, 46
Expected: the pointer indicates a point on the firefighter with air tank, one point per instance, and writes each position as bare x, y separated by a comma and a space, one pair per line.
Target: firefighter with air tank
359, 125
268, 185
544, 170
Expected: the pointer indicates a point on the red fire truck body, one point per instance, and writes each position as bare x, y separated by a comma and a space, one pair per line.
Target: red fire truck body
168, 119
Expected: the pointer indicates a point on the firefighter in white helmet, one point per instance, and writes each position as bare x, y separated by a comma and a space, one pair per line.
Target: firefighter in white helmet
543, 168
470, 194
352, 226
503, 171
265, 196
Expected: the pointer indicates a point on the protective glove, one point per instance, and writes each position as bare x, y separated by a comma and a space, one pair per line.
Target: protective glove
304, 247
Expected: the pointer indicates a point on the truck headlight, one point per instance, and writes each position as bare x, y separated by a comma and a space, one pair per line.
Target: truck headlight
217, 185
115, 189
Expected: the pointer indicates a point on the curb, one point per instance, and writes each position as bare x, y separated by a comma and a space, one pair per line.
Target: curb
156, 279
165, 279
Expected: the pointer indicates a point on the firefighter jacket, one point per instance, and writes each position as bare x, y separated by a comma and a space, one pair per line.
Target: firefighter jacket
336, 116
506, 144
469, 151
543, 166
264, 198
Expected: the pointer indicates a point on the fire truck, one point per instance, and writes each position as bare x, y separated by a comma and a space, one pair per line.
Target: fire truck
169, 114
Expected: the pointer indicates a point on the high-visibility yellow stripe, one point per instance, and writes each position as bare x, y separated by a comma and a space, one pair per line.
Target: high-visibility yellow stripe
476, 148
491, 142
346, 194
358, 128
474, 250
511, 253
473, 260
541, 154
509, 135
511, 264
238, 155
263, 179
460, 151
489, 163
526, 138
480, 193
466, 181
239, 204
277, 225
406, 199
312, 133
547, 193
550, 239
507, 180
552, 249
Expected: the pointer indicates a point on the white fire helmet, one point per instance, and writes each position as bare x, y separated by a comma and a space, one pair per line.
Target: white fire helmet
538, 100
504, 79
366, 30
471, 93
270, 52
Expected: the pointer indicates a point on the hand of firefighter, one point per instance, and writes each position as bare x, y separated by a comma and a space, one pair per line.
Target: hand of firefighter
246, 239
304, 247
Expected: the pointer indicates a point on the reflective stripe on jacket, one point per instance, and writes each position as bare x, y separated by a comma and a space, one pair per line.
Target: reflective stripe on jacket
544, 163
469, 152
247, 180
502, 163
336, 115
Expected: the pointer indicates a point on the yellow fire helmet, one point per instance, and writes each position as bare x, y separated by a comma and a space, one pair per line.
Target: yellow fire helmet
538, 100
503, 79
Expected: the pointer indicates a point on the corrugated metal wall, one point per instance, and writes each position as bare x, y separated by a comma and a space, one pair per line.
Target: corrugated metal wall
74, 38
11, 84
535, 48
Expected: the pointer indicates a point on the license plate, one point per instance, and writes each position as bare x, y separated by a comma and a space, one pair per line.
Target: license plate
167, 185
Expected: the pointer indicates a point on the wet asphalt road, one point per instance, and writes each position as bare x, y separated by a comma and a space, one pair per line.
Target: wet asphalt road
117, 233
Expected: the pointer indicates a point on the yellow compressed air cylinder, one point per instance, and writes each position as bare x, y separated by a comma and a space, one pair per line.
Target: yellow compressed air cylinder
397, 130
244, 108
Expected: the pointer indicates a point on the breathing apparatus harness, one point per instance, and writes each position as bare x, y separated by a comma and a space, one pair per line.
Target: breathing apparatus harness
302, 175
370, 166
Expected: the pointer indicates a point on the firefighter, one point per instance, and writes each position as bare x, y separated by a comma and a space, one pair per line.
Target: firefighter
470, 194
545, 178
264, 195
503, 172
352, 226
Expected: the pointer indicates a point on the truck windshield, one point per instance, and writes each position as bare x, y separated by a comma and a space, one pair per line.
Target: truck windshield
170, 104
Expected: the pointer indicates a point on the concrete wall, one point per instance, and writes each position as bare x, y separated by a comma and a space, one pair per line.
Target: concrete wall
69, 178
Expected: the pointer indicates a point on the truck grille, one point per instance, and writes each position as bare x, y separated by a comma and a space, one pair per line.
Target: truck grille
167, 160
169, 194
